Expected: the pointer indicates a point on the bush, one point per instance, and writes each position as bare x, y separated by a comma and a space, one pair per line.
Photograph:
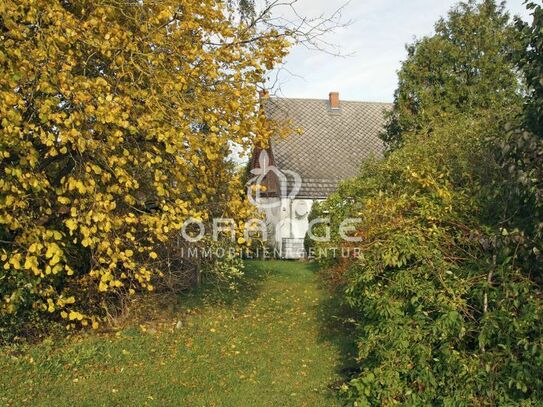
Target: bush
116, 121
446, 314
448, 288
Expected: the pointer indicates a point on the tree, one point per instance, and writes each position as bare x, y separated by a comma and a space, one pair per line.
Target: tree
531, 63
521, 155
464, 68
116, 119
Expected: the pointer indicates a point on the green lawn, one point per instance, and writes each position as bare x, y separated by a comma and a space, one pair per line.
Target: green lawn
276, 343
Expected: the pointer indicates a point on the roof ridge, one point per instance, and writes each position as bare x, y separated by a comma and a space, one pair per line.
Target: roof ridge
326, 100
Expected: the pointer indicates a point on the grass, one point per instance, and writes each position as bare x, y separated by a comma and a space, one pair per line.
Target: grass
276, 343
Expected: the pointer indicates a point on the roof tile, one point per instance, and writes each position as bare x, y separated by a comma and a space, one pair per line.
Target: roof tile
332, 144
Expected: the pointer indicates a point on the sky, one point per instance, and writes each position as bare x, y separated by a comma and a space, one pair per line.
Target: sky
373, 46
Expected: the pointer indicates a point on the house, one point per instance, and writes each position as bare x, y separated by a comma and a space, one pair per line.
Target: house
333, 139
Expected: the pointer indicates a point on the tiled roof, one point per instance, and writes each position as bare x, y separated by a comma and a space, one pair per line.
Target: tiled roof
332, 144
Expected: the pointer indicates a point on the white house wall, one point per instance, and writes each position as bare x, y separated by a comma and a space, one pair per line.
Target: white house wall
290, 220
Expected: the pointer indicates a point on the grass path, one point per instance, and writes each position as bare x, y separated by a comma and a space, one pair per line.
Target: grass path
274, 344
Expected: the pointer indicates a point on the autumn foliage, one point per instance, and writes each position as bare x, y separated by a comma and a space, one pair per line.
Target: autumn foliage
116, 118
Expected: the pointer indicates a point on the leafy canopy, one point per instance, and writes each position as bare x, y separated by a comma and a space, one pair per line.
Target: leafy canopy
116, 119
464, 68
530, 60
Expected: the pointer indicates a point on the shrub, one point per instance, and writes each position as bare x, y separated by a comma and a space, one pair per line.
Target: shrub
446, 315
116, 121
448, 288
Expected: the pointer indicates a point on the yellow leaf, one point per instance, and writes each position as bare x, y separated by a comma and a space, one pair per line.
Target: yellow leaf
71, 224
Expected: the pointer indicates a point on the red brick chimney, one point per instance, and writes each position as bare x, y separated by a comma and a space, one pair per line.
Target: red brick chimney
334, 100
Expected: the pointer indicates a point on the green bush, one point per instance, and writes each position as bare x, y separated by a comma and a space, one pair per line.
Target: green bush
446, 315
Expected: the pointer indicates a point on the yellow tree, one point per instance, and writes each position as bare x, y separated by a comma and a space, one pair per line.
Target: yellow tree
115, 120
